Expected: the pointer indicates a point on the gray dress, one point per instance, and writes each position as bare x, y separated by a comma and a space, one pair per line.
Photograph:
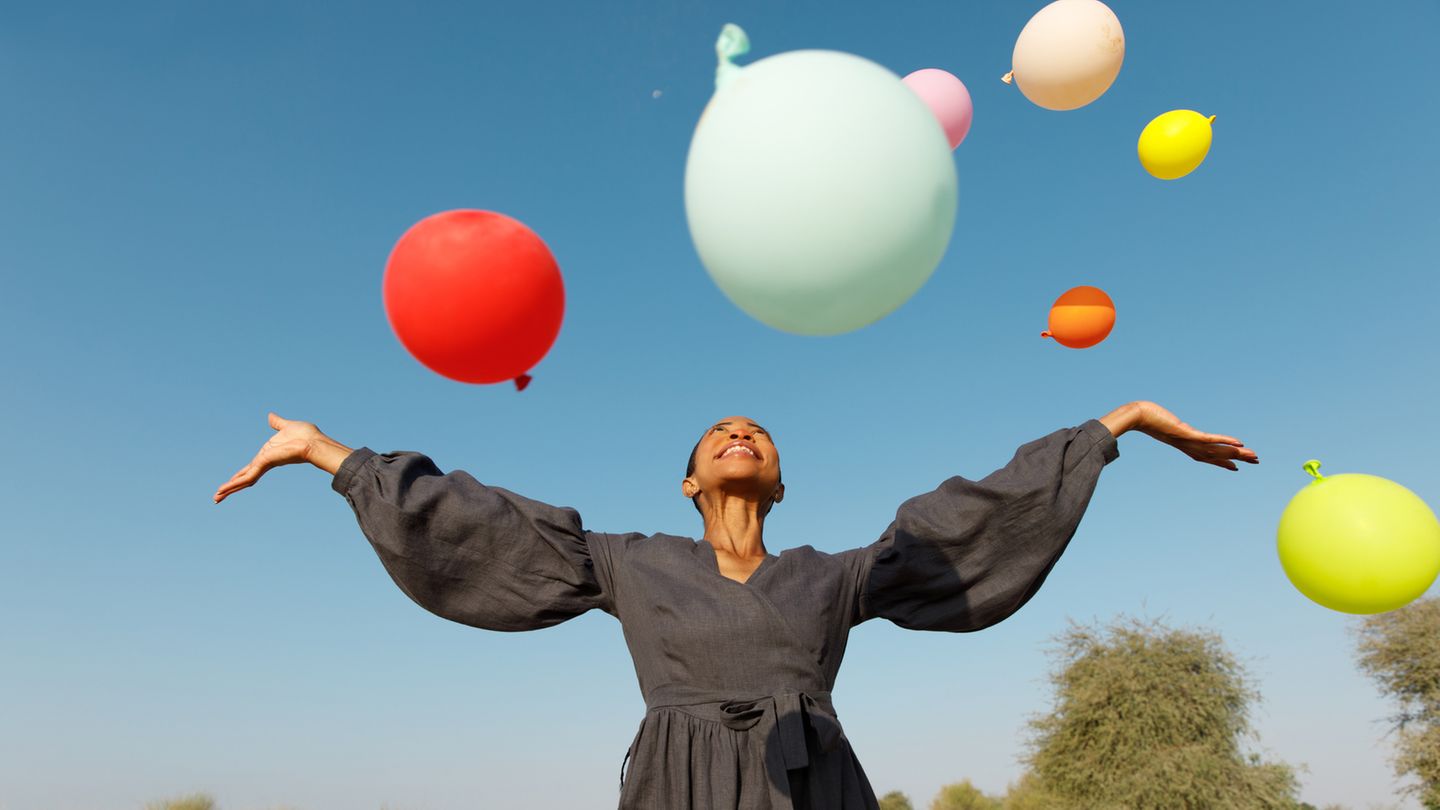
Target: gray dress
736, 676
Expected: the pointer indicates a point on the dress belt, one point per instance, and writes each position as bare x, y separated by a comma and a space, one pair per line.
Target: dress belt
784, 711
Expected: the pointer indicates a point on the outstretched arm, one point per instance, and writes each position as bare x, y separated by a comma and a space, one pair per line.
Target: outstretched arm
472, 553
971, 553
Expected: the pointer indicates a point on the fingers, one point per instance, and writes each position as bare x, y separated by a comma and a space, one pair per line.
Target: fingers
1239, 452
247, 476
1212, 438
1181, 429
1211, 448
268, 457
1227, 455
240, 480
1209, 438
1221, 455
226, 491
1218, 459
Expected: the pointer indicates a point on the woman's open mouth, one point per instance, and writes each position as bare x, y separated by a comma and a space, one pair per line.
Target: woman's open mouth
738, 449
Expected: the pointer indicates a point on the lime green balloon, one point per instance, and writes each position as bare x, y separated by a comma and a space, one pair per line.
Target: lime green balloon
1359, 543
820, 190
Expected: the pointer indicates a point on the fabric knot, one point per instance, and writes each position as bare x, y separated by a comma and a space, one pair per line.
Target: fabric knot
787, 711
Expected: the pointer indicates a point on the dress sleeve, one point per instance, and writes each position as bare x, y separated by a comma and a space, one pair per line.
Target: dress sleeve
472, 553
970, 553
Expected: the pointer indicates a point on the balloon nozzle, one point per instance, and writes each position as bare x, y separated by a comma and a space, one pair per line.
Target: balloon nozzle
1046, 334
733, 42
1313, 467
1008, 77
522, 381
1212, 119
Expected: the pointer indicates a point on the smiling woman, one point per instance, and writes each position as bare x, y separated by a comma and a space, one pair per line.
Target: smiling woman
736, 649
734, 446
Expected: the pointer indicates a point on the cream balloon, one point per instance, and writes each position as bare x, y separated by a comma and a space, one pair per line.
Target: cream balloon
819, 189
1068, 55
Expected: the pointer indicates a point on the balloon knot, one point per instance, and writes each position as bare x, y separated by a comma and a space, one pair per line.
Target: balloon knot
1008, 77
1313, 467
732, 43
522, 381
1046, 334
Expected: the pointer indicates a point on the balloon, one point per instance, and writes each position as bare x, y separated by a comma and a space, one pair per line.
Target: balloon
1081, 317
819, 191
475, 296
1068, 55
947, 98
1358, 543
1175, 143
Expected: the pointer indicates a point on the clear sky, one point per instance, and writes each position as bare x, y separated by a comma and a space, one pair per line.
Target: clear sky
196, 204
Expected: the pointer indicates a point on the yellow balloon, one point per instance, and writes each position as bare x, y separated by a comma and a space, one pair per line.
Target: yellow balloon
1358, 543
1175, 143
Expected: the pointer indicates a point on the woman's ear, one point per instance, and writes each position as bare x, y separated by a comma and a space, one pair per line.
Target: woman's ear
774, 499
689, 488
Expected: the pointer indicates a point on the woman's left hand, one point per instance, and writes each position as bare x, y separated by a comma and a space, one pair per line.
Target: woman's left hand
1211, 448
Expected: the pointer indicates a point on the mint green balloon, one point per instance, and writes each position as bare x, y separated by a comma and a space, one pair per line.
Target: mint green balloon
820, 190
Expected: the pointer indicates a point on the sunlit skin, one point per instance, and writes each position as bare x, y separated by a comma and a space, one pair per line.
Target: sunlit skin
736, 492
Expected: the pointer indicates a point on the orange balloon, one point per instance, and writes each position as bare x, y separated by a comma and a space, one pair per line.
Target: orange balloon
1080, 318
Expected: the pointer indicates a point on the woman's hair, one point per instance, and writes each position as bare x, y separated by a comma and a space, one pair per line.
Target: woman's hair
690, 470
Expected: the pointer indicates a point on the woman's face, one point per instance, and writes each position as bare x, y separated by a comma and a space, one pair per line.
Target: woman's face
737, 455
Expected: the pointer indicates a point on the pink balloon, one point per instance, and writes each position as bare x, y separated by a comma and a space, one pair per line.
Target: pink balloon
947, 97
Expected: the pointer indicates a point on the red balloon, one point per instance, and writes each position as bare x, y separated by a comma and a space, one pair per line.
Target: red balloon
475, 296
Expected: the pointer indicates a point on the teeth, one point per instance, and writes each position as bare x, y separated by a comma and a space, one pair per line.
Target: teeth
737, 448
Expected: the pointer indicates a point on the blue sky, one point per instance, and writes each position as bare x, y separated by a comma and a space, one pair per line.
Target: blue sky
198, 200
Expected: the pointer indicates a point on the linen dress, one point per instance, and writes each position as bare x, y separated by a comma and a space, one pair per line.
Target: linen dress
736, 676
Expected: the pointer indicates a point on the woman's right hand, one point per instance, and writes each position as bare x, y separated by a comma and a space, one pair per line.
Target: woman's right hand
291, 444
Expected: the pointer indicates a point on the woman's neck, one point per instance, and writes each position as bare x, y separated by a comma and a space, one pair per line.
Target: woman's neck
735, 525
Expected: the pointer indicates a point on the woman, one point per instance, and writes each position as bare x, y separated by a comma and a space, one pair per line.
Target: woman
736, 648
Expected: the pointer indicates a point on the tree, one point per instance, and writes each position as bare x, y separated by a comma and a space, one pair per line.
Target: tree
895, 800
963, 796
1027, 794
1150, 718
195, 801
1400, 650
